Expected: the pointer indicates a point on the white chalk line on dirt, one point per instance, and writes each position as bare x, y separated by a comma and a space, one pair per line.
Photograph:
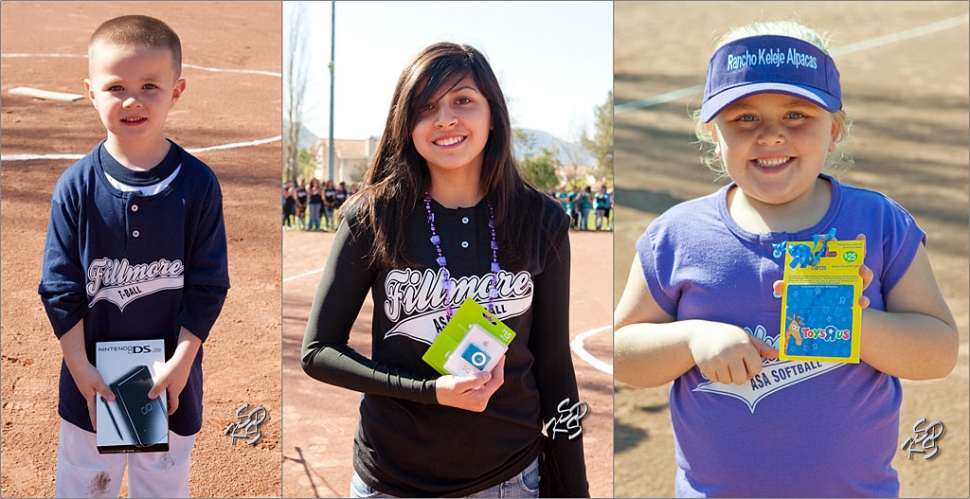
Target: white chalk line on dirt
184, 65
196, 150
878, 41
234, 145
300, 276
577, 345
247, 71
44, 55
580, 350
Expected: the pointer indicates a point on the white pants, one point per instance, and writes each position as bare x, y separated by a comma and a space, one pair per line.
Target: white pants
82, 472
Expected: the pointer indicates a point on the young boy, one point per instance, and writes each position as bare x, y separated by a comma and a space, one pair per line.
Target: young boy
136, 249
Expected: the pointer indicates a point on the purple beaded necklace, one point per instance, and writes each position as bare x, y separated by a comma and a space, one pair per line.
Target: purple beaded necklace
446, 276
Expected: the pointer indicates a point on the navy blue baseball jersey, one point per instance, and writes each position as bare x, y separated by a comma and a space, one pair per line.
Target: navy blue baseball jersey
134, 266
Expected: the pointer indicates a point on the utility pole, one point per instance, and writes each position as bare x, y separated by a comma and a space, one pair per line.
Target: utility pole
333, 38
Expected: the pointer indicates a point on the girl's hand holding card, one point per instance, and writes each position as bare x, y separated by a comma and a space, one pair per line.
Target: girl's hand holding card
470, 392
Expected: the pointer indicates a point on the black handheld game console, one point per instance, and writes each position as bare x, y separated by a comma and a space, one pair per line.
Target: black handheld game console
146, 419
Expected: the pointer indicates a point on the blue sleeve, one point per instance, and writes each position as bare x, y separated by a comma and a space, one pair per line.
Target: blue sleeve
901, 239
62, 277
207, 268
656, 264
201, 306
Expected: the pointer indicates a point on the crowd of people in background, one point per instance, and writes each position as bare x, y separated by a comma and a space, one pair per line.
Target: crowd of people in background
313, 206
580, 203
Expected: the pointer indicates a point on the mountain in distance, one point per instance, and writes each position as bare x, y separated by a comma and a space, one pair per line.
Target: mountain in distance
308, 140
566, 152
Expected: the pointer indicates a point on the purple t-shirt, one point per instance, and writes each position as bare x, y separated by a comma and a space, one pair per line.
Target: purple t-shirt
798, 428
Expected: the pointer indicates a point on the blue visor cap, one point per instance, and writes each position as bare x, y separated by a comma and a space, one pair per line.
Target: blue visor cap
770, 64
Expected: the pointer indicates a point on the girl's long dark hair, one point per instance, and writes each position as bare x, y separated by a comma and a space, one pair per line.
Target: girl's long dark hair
398, 176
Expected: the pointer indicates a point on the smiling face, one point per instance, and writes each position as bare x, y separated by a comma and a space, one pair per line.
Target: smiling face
452, 129
133, 88
774, 146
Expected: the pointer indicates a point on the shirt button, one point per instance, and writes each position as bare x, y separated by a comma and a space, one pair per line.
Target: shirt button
464, 220
134, 233
134, 207
464, 244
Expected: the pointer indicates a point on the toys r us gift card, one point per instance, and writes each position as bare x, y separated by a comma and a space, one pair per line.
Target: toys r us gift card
821, 318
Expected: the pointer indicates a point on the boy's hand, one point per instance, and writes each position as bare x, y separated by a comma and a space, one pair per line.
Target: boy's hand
727, 354
171, 378
85, 375
174, 374
92, 386
470, 392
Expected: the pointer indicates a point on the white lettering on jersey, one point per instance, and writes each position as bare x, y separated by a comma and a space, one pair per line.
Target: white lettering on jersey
122, 283
415, 300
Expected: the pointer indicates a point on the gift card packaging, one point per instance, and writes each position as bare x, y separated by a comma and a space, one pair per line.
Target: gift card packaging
133, 422
821, 318
473, 341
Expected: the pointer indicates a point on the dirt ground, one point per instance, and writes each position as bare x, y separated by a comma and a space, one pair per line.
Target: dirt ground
321, 419
909, 100
242, 354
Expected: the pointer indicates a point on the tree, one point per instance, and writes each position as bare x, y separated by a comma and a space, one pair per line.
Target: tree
295, 80
522, 142
540, 169
601, 144
360, 171
307, 163
575, 153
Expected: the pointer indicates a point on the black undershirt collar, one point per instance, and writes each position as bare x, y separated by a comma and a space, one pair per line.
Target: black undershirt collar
127, 176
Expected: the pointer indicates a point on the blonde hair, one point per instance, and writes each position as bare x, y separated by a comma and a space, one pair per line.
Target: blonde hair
838, 160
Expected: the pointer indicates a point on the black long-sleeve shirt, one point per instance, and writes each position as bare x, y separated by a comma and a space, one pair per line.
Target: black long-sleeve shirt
407, 444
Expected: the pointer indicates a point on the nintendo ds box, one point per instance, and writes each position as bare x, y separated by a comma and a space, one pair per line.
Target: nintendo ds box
133, 422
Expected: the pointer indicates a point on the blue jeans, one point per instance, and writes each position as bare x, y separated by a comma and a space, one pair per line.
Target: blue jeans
525, 484
328, 216
314, 223
583, 218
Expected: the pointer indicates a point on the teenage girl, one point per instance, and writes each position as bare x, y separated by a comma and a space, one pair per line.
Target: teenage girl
701, 306
444, 215
315, 204
329, 203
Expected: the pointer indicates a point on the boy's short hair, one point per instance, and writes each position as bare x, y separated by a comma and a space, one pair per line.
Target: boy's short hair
140, 31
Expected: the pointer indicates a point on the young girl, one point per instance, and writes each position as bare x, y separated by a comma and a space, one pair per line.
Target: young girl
289, 203
701, 307
301, 201
329, 201
444, 215
315, 204
584, 204
602, 207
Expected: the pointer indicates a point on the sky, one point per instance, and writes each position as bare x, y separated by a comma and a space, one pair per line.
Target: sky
553, 60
